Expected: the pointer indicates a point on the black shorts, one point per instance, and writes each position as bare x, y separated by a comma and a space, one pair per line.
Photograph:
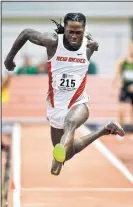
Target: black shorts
125, 96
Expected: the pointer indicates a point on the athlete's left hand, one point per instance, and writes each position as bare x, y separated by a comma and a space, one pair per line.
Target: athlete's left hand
91, 42
9, 64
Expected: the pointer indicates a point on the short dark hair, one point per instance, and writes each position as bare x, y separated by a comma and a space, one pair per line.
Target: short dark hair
78, 17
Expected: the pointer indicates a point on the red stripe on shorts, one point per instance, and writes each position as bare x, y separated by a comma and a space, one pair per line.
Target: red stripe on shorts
79, 91
50, 91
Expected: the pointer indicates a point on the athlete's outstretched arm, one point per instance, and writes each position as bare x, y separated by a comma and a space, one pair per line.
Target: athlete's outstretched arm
42, 39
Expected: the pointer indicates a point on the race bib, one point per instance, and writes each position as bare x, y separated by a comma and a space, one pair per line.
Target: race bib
67, 82
128, 75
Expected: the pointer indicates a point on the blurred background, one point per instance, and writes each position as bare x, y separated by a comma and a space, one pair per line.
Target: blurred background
23, 98
110, 23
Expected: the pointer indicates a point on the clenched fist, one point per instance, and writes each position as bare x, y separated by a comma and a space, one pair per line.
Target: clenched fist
9, 64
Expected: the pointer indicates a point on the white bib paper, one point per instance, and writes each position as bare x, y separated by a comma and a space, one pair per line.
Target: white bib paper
67, 82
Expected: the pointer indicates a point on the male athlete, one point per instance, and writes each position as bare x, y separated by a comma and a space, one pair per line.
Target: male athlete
69, 51
124, 76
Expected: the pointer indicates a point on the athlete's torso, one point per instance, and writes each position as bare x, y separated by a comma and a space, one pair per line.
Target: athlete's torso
127, 73
67, 75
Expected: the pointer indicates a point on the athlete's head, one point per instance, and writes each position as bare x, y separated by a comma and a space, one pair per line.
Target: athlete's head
74, 27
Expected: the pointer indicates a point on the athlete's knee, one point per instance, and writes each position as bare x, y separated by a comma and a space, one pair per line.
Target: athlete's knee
70, 124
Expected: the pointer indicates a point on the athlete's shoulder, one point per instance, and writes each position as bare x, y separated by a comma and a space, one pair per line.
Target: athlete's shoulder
52, 38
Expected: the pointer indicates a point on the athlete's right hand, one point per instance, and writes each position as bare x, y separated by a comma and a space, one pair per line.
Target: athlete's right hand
9, 64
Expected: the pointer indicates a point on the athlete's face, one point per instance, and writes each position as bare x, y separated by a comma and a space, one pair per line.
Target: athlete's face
74, 32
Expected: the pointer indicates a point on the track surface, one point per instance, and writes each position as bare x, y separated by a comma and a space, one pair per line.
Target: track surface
86, 180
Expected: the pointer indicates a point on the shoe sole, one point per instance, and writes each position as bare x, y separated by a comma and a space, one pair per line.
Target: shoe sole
59, 153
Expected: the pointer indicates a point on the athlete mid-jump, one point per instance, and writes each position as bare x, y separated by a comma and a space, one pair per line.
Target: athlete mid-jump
69, 51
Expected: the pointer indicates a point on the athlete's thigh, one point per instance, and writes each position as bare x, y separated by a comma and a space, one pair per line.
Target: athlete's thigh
77, 115
56, 135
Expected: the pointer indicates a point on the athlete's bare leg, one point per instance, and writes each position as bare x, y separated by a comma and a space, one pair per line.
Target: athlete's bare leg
121, 109
56, 135
76, 116
75, 146
81, 143
110, 128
